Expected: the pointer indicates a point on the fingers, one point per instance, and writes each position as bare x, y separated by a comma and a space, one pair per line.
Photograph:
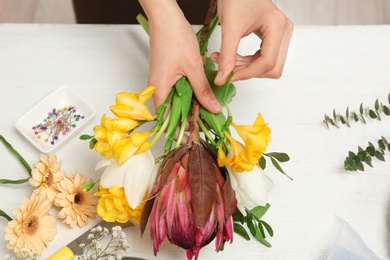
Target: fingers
227, 56
202, 91
269, 61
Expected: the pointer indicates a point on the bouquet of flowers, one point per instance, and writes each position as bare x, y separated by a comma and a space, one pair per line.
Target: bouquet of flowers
204, 185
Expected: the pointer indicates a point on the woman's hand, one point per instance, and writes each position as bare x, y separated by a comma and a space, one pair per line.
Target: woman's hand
174, 52
241, 18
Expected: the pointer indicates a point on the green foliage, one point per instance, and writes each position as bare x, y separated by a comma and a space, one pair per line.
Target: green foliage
364, 112
14, 152
257, 227
5, 215
276, 158
354, 161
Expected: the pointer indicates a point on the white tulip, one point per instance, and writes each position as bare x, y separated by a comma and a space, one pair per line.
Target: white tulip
135, 175
250, 187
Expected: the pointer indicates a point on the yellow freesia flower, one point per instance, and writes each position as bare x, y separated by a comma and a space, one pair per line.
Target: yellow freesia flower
132, 144
239, 160
131, 105
110, 131
113, 206
256, 136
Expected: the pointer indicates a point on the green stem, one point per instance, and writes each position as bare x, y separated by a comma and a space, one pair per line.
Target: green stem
21, 159
6, 181
5, 215
206, 132
181, 133
143, 22
161, 130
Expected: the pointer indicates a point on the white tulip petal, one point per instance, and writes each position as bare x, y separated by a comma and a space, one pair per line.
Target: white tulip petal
103, 163
138, 173
250, 187
113, 175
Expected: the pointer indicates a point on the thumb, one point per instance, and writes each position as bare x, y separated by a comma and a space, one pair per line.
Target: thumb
227, 56
203, 91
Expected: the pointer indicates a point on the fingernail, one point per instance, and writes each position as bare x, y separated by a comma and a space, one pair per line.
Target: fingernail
217, 108
218, 77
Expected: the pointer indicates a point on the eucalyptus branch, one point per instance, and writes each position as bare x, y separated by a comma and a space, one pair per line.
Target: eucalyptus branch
254, 223
276, 158
354, 162
364, 112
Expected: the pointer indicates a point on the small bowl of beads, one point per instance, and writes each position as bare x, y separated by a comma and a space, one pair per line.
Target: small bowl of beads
55, 119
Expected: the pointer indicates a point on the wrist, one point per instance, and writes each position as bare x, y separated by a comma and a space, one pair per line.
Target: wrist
155, 8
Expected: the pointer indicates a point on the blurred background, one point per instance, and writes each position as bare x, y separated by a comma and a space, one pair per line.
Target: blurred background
301, 12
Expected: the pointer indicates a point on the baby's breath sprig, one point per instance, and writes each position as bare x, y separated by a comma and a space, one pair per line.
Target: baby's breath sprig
354, 162
117, 243
364, 112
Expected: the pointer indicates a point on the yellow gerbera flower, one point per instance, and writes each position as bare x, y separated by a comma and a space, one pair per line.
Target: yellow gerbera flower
131, 105
77, 204
45, 175
33, 228
113, 206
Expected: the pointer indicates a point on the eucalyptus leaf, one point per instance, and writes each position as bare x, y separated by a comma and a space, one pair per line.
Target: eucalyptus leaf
240, 230
260, 211
279, 168
259, 237
262, 162
268, 228
281, 157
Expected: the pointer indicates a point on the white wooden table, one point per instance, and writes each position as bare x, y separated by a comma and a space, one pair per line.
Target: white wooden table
327, 67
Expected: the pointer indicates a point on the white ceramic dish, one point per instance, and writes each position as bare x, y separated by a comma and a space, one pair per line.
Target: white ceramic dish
59, 99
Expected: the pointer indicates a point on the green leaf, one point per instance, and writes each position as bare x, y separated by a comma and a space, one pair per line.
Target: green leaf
268, 228
281, 157
175, 116
260, 211
92, 143
361, 109
6, 181
259, 237
262, 162
240, 230
379, 156
372, 114
184, 90
5, 215
224, 93
215, 121
251, 226
386, 110
360, 166
368, 161
86, 137
277, 166
371, 150
14, 152
238, 216
376, 104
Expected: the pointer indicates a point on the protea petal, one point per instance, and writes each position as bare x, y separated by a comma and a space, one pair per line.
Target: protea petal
139, 172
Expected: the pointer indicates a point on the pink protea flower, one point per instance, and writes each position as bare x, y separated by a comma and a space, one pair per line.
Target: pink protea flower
191, 203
